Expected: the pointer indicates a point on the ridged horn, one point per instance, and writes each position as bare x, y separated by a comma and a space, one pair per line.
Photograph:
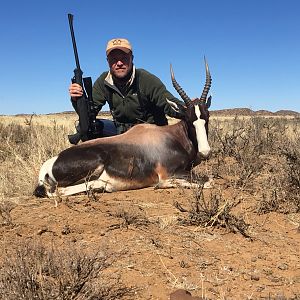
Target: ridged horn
207, 83
179, 89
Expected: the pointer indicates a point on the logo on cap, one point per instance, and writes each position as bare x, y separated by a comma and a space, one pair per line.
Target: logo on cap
117, 42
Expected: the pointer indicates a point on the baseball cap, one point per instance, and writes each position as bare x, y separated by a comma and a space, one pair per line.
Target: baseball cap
118, 43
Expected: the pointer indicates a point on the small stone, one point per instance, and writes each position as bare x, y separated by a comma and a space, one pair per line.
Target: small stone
183, 264
262, 256
296, 279
66, 230
274, 279
42, 230
254, 277
246, 277
268, 271
283, 266
260, 288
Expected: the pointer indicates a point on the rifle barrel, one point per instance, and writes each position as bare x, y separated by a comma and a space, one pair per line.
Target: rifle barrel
70, 17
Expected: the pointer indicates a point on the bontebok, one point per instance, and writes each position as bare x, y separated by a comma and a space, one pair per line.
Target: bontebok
146, 155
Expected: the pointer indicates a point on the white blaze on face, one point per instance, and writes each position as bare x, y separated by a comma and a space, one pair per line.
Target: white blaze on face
199, 124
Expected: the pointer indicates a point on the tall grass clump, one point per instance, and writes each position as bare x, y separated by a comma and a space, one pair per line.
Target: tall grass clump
212, 211
281, 184
22, 151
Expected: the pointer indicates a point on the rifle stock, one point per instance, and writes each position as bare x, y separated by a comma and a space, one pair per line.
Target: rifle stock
74, 138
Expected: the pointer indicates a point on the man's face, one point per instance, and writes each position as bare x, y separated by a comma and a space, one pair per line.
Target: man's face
120, 63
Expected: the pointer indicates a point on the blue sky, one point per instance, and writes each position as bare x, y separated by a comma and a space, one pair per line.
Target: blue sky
252, 47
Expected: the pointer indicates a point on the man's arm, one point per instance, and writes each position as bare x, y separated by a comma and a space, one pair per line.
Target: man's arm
75, 92
161, 97
99, 95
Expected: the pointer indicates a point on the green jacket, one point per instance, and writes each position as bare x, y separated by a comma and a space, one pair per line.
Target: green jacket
144, 99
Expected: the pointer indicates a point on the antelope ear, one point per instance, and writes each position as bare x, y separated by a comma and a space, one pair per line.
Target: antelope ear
178, 108
174, 105
208, 102
182, 111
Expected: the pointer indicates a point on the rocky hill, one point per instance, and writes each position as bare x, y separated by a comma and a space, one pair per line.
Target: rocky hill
250, 112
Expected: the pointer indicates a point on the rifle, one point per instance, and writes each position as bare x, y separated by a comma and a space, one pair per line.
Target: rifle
89, 127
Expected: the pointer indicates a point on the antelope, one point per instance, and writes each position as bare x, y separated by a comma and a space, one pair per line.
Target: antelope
144, 156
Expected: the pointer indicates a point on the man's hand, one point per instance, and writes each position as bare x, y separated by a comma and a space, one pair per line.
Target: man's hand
75, 91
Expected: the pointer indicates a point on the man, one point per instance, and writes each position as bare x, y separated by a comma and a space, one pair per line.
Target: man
134, 95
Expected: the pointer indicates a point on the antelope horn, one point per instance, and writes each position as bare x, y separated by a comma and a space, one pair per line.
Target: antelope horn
207, 83
179, 89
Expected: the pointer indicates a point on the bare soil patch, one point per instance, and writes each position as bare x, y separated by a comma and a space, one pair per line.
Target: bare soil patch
157, 254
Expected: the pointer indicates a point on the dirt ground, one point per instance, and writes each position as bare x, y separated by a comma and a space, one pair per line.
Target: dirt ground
158, 254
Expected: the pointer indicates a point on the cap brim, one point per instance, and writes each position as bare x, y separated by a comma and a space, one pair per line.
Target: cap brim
126, 50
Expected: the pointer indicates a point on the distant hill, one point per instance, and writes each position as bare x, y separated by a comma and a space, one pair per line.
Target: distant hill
221, 112
250, 112
228, 112
232, 112
287, 112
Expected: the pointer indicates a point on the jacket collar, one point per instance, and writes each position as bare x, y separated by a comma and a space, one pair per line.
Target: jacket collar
109, 79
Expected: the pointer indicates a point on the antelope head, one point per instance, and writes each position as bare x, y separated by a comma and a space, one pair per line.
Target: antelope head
197, 114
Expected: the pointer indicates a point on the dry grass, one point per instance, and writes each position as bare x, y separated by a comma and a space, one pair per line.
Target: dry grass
22, 151
260, 156
212, 212
39, 271
66, 120
63, 119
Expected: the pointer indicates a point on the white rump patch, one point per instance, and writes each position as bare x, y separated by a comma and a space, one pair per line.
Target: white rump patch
46, 169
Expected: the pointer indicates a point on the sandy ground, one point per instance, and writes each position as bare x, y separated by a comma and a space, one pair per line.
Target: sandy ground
159, 254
